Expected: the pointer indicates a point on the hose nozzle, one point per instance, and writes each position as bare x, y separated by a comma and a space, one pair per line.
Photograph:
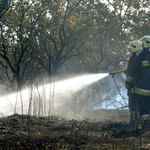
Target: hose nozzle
113, 73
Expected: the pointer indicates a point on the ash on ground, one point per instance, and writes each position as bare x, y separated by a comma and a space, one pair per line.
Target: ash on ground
96, 129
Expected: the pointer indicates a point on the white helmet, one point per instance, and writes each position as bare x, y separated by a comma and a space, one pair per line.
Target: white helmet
146, 41
135, 45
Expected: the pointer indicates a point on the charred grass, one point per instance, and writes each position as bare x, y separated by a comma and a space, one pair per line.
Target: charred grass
22, 132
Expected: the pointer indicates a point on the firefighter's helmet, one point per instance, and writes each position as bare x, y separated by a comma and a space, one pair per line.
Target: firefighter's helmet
146, 41
135, 45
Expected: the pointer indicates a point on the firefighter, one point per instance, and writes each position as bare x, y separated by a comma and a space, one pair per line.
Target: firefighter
139, 73
136, 47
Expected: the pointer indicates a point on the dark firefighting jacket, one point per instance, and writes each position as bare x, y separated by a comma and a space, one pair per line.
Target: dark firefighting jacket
131, 60
139, 73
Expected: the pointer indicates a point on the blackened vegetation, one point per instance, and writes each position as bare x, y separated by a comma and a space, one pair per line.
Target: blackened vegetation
53, 132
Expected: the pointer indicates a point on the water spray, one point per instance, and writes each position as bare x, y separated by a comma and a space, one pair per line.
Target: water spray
77, 83
63, 91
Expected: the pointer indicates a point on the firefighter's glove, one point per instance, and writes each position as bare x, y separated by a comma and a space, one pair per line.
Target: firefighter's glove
112, 74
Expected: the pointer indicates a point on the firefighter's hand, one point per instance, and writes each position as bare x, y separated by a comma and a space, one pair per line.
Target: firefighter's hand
112, 74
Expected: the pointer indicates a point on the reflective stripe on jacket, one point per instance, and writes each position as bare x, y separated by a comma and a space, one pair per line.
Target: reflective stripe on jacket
145, 117
131, 91
142, 91
145, 63
129, 79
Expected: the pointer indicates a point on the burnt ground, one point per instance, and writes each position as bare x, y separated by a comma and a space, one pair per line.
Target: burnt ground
97, 130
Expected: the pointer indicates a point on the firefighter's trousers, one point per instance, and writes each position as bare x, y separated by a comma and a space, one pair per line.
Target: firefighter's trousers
143, 104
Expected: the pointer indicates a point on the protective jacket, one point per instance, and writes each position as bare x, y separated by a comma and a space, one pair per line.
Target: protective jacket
139, 72
131, 61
